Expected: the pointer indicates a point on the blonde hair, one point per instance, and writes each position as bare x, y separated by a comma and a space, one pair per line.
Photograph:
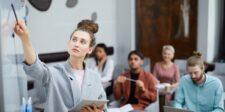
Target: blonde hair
169, 47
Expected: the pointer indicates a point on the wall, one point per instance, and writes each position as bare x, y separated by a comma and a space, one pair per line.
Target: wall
208, 28
1, 78
12, 77
125, 20
51, 30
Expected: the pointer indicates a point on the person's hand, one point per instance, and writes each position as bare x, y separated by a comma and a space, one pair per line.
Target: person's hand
91, 108
140, 85
21, 30
121, 79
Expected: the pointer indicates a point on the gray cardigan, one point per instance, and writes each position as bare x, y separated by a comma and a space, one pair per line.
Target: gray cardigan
63, 93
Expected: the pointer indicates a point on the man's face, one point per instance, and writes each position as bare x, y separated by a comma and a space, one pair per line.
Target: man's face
135, 61
196, 73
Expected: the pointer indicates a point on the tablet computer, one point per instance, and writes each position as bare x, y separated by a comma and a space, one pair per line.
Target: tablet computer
173, 109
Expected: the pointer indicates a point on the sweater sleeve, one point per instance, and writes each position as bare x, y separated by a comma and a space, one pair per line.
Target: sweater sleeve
117, 90
150, 92
39, 71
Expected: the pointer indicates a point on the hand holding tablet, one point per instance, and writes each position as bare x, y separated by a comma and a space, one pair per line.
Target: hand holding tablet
96, 103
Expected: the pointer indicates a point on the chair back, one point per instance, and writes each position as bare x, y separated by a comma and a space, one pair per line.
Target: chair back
147, 64
182, 64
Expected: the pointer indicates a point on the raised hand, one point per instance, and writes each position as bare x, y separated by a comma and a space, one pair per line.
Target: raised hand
21, 30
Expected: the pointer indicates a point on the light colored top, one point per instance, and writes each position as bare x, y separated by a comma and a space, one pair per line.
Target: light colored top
207, 97
170, 75
79, 74
63, 93
107, 73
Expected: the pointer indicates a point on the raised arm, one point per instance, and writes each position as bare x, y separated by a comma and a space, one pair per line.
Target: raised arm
22, 31
33, 66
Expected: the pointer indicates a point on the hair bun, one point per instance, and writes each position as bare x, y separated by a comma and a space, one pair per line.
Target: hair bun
88, 25
196, 53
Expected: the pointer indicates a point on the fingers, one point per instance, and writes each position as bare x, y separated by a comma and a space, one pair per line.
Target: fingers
18, 29
83, 110
95, 108
20, 26
101, 107
86, 109
121, 79
21, 30
140, 84
90, 108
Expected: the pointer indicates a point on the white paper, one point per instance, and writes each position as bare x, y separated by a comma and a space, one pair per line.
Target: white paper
125, 108
162, 85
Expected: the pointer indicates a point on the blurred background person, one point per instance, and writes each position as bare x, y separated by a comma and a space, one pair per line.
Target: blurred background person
102, 64
135, 87
199, 91
166, 71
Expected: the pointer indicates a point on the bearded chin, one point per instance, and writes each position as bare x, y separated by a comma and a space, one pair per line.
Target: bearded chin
196, 80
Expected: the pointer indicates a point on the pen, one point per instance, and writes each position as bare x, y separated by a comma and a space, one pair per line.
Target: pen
14, 12
131, 80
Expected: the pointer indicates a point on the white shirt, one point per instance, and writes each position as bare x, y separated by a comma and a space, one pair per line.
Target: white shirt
107, 73
79, 74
